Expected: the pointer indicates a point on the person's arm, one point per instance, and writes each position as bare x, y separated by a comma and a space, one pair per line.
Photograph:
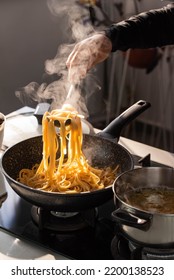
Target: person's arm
154, 28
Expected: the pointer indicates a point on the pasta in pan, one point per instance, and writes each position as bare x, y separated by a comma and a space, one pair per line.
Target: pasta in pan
69, 172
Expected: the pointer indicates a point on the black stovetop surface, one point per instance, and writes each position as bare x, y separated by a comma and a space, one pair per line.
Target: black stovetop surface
92, 241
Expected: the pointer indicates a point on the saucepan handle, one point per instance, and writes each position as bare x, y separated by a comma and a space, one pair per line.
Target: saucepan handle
113, 130
140, 221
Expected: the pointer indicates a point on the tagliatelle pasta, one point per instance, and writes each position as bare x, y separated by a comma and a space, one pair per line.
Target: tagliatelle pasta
64, 167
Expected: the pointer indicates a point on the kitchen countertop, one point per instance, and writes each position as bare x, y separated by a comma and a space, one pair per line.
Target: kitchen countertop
20, 125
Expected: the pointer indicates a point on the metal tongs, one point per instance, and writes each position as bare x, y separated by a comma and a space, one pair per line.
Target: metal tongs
72, 89
57, 123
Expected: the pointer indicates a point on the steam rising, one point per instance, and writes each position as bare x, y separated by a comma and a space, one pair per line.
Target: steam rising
78, 17
57, 90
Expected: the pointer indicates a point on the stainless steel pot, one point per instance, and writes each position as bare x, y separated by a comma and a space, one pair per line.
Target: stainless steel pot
138, 225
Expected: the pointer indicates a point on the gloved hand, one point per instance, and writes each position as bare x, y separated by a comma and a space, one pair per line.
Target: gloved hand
86, 54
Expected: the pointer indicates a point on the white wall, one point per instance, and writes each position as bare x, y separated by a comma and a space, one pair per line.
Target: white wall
29, 35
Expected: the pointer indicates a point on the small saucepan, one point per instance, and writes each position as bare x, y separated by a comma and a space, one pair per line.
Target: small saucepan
144, 200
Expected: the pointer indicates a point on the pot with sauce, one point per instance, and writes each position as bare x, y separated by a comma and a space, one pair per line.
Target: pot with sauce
144, 200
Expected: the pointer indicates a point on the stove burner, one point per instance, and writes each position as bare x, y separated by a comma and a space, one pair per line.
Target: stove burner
64, 214
124, 249
63, 221
151, 253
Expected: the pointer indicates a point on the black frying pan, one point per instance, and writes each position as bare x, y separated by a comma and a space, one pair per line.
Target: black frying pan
100, 152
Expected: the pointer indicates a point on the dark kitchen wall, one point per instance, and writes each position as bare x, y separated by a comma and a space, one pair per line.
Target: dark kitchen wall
29, 34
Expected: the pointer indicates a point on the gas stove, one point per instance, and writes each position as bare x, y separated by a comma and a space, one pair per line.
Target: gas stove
87, 235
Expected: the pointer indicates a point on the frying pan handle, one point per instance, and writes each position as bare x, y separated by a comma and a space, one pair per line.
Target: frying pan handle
140, 221
113, 130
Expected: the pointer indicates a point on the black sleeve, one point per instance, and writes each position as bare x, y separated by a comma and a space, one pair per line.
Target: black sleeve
154, 28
